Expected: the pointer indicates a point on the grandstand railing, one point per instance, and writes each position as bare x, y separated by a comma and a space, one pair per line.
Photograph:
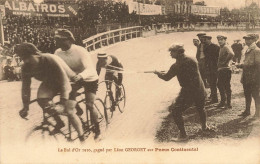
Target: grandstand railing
112, 37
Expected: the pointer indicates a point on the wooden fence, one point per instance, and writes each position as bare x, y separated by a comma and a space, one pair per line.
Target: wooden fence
111, 37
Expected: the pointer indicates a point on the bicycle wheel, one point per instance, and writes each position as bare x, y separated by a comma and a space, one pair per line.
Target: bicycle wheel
40, 134
121, 100
102, 115
108, 108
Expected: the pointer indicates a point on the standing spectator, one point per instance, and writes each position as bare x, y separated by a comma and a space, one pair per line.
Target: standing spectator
224, 72
211, 51
192, 91
196, 42
9, 70
200, 56
257, 40
251, 75
237, 48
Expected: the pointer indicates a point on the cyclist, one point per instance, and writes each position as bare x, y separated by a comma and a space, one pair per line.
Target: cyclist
113, 66
79, 60
55, 76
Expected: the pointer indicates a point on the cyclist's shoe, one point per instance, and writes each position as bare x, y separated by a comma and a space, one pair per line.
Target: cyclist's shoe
82, 139
23, 113
79, 110
57, 128
113, 107
97, 132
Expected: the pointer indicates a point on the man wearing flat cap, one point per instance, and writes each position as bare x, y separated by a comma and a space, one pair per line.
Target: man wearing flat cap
211, 51
224, 72
192, 88
251, 75
237, 48
200, 56
79, 60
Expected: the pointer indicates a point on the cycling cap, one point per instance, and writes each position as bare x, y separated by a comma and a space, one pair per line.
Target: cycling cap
102, 54
25, 49
249, 36
221, 37
64, 34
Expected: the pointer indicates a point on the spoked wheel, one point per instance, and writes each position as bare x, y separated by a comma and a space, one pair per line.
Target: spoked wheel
108, 108
41, 134
102, 115
121, 100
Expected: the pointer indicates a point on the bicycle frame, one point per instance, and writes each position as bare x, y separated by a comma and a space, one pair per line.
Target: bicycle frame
87, 124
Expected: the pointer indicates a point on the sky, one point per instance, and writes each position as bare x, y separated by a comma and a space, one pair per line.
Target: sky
225, 3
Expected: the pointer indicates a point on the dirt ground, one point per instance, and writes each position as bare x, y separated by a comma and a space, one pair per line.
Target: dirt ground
225, 122
146, 121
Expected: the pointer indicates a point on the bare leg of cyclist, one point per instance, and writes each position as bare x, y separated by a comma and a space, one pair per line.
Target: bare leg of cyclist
75, 121
90, 98
45, 95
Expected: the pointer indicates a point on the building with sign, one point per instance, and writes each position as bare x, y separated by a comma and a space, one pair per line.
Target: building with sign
205, 10
144, 9
177, 6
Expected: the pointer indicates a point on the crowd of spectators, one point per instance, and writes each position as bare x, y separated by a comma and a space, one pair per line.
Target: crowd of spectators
92, 16
40, 30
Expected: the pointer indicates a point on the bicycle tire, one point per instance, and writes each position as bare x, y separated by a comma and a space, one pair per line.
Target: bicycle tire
122, 99
108, 108
119, 104
102, 114
40, 134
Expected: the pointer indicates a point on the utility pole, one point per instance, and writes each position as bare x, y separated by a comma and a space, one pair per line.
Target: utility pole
1, 30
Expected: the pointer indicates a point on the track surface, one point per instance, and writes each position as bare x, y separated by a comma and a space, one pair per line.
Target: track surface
146, 115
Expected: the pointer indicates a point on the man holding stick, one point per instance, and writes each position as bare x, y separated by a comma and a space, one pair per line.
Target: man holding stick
192, 91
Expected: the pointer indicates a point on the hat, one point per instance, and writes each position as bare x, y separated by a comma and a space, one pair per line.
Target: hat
201, 34
221, 37
176, 47
64, 34
25, 49
207, 36
102, 54
196, 39
249, 36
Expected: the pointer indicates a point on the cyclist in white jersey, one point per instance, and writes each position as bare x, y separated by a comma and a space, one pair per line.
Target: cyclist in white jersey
79, 60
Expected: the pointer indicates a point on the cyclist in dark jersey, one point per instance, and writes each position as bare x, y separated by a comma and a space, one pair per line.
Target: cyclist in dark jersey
55, 76
113, 71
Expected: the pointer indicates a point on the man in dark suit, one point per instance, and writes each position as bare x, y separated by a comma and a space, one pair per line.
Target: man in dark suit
192, 88
237, 48
200, 56
251, 75
211, 52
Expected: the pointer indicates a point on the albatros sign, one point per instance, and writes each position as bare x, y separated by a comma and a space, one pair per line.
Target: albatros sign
41, 9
